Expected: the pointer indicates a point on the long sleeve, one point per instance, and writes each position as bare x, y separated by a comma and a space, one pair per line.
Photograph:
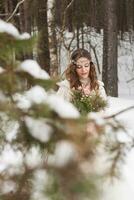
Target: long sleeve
101, 90
64, 90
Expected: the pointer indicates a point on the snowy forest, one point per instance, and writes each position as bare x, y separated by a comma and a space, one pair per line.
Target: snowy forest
51, 148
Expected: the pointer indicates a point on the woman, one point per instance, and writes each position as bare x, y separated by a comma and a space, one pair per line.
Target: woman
81, 75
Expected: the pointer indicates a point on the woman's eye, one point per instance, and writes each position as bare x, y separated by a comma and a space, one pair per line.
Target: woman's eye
79, 66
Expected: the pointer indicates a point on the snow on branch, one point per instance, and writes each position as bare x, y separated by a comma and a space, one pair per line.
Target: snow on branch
12, 30
33, 68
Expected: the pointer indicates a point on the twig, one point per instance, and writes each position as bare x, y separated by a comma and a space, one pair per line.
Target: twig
69, 45
15, 10
64, 19
65, 12
128, 81
6, 14
95, 54
61, 39
120, 112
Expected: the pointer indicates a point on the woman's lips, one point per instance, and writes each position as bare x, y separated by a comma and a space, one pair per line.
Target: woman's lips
84, 74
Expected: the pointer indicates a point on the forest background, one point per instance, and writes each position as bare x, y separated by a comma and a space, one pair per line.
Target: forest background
45, 146
101, 26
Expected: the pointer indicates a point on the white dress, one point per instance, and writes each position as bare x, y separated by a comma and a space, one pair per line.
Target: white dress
65, 91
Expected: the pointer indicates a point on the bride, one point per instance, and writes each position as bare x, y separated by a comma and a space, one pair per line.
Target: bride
81, 75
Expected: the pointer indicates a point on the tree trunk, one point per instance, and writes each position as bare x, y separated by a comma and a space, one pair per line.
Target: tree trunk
8, 7
77, 36
52, 39
129, 10
25, 19
43, 42
110, 73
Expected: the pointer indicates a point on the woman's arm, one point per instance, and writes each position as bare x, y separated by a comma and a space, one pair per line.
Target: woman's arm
101, 90
64, 90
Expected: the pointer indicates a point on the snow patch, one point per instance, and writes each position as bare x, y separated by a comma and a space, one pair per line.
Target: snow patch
11, 159
39, 129
33, 68
12, 30
33, 158
1, 70
36, 95
97, 117
64, 108
25, 36
64, 153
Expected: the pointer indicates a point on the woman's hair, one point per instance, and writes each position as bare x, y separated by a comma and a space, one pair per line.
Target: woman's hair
71, 74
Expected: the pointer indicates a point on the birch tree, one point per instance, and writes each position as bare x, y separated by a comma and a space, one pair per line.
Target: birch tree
52, 38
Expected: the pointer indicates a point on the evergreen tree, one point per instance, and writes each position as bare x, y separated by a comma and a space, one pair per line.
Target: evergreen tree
51, 147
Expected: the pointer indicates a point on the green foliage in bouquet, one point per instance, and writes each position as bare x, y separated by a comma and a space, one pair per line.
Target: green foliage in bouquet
86, 104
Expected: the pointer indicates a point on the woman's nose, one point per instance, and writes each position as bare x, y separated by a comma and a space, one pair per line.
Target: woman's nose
83, 68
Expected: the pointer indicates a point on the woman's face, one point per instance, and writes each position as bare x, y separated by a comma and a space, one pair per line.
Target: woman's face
83, 67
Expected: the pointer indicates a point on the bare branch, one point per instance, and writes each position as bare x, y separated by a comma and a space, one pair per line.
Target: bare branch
6, 14
128, 81
64, 18
61, 32
95, 54
65, 12
15, 10
120, 112
69, 45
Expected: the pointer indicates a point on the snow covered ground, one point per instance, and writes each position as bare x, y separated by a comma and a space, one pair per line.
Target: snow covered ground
122, 189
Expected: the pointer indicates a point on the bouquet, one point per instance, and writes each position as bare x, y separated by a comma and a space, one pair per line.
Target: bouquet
87, 103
